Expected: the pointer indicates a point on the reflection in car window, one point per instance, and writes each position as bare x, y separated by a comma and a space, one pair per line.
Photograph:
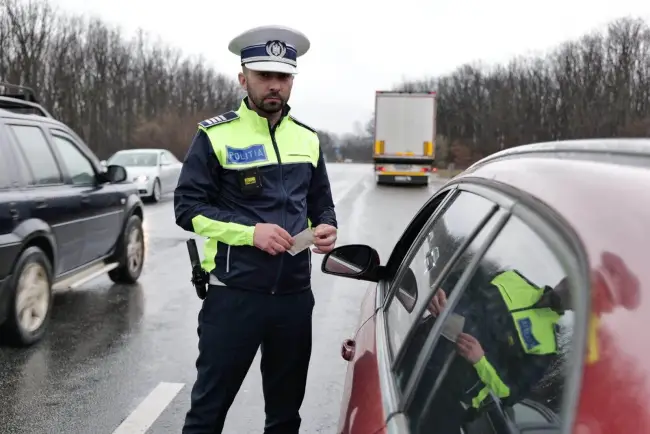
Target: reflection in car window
513, 344
442, 239
79, 168
38, 155
423, 326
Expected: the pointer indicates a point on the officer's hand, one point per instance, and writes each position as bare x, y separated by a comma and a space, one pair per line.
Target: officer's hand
438, 302
324, 239
271, 238
469, 348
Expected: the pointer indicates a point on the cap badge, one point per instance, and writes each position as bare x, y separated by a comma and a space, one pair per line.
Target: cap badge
276, 49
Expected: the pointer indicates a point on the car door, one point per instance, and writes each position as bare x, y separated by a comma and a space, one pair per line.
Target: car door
9, 210
102, 207
427, 366
370, 376
46, 195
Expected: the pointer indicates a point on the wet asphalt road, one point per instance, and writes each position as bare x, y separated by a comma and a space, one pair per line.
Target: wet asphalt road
109, 346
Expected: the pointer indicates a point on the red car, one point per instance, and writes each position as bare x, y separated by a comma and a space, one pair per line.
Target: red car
516, 301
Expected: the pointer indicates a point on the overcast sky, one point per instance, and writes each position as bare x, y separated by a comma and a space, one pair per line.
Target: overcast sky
359, 46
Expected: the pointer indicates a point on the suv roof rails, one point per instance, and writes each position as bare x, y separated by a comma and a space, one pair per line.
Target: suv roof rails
16, 97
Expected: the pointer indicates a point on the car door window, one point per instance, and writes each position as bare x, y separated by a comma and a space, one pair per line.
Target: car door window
171, 157
428, 317
516, 334
437, 243
38, 155
79, 167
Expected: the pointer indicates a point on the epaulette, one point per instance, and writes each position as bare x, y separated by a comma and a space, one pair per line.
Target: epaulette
303, 125
221, 119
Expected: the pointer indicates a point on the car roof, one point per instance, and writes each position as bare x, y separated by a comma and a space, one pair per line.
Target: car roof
601, 188
593, 184
8, 114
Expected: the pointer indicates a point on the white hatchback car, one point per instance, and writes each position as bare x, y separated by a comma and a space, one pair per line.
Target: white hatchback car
154, 171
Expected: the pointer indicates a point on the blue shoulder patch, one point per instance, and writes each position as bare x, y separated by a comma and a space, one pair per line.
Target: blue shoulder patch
526, 328
302, 125
221, 119
249, 154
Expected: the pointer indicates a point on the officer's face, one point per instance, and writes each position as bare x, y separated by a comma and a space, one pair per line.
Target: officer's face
269, 91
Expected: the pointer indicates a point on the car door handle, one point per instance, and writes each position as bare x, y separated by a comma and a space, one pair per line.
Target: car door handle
14, 213
40, 203
85, 199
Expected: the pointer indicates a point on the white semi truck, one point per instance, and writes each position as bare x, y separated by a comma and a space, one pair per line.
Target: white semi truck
405, 131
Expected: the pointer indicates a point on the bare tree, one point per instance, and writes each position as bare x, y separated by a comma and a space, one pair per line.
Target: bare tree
114, 92
598, 86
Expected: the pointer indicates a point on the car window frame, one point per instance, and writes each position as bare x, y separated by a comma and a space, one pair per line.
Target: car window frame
21, 153
410, 234
492, 214
53, 132
390, 393
567, 249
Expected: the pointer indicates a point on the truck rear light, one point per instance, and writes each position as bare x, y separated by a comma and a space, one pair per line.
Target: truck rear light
379, 168
425, 169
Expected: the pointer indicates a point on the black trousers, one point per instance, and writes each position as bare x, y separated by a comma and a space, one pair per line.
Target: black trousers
233, 324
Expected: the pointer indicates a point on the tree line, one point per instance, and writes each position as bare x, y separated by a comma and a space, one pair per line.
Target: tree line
118, 92
597, 86
115, 92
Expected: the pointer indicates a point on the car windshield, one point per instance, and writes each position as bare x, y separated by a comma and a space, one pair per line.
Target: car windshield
130, 159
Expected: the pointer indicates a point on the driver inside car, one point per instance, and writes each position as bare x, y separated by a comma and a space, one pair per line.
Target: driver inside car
507, 344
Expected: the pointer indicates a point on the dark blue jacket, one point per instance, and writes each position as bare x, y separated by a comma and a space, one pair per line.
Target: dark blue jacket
229, 154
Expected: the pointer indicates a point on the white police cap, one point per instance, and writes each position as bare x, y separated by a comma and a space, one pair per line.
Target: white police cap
270, 48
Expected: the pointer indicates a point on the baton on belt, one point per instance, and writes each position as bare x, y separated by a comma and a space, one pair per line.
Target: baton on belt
199, 277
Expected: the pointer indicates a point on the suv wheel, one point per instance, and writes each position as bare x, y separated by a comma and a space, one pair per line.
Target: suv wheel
30, 305
130, 253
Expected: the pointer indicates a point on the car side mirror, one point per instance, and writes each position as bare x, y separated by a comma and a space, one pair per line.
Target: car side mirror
115, 174
354, 260
103, 163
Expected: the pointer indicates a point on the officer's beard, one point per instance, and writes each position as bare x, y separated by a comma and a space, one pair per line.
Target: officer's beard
268, 106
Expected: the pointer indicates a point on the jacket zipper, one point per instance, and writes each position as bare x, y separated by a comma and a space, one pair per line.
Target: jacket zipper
284, 200
228, 260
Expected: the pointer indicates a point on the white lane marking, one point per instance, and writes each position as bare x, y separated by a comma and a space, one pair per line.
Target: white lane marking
149, 409
347, 191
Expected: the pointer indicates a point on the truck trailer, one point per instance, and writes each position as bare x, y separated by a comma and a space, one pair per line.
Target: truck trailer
405, 131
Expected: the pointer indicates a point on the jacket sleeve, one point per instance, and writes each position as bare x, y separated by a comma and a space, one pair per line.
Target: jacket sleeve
320, 205
196, 198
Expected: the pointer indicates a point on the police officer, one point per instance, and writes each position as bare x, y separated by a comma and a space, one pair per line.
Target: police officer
252, 179
509, 340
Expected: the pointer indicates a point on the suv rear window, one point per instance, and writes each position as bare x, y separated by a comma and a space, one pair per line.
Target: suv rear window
38, 155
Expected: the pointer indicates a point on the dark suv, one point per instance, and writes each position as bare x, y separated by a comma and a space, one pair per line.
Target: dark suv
64, 219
